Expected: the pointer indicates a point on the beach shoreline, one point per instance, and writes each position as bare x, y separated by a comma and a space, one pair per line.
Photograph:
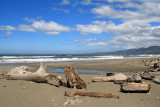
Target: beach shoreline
114, 65
20, 93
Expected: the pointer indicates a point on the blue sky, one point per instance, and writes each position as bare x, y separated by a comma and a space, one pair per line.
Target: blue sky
77, 26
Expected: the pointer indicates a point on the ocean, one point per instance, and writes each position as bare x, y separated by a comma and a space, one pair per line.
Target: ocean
66, 57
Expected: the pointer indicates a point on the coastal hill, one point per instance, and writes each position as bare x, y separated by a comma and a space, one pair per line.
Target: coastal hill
149, 50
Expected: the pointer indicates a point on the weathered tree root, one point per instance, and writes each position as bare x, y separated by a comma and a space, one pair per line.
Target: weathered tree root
73, 79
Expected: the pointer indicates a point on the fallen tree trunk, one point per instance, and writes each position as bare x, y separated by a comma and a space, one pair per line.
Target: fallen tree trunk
116, 77
96, 94
40, 76
73, 79
135, 87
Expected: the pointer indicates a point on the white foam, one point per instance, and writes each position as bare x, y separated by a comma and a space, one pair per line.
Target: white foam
53, 58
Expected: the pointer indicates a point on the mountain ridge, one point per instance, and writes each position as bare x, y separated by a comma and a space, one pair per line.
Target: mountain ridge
148, 50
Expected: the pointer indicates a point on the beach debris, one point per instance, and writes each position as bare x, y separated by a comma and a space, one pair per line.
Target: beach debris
110, 74
148, 93
156, 80
2, 75
40, 76
119, 76
56, 80
68, 93
154, 64
137, 78
73, 79
119, 81
96, 94
146, 75
52, 100
23, 87
72, 102
89, 82
135, 87
158, 98
129, 79
76, 96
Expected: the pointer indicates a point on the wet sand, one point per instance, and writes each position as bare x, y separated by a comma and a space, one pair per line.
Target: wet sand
19, 93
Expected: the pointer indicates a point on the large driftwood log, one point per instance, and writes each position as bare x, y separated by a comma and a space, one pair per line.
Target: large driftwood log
73, 79
40, 76
146, 75
116, 77
96, 94
135, 87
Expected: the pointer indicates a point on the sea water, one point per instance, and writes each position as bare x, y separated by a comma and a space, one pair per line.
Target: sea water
65, 57
80, 71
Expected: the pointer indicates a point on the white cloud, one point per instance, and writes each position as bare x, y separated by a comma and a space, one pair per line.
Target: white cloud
86, 2
7, 28
156, 31
65, 2
60, 10
97, 44
86, 29
130, 34
108, 11
146, 10
85, 40
27, 28
135, 31
8, 33
51, 28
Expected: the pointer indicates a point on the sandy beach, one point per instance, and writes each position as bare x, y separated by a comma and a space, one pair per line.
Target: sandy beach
20, 93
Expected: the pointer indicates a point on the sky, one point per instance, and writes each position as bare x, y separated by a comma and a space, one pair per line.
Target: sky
77, 26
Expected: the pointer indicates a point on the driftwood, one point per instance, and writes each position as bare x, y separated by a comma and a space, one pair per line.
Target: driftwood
146, 75
152, 63
155, 65
156, 80
137, 78
2, 75
110, 74
72, 102
119, 81
68, 93
135, 87
129, 79
96, 94
40, 76
73, 79
154, 70
117, 77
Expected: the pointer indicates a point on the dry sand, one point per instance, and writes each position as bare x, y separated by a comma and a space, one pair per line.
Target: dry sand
19, 93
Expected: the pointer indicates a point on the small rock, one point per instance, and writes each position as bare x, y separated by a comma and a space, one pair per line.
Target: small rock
158, 98
23, 87
52, 100
76, 96
89, 82
148, 93
72, 102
